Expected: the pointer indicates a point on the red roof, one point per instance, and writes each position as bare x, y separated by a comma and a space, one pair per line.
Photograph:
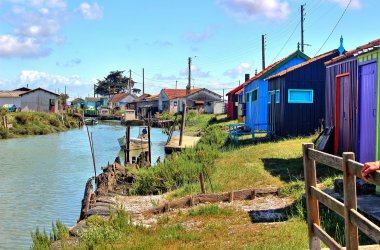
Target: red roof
235, 90
364, 48
302, 64
118, 97
274, 65
153, 97
176, 93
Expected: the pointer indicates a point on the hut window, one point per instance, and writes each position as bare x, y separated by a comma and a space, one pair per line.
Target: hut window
254, 95
300, 96
270, 93
247, 97
277, 96
175, 103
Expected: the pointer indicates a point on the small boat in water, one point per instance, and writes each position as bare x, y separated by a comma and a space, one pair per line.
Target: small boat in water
90, 121
139, 142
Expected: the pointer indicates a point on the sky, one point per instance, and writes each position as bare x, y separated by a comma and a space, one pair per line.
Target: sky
73, 43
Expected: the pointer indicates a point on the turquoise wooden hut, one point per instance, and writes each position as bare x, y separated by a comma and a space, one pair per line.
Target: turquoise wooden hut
256, 90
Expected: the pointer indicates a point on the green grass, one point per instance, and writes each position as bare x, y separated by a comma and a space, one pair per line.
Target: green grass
35, 123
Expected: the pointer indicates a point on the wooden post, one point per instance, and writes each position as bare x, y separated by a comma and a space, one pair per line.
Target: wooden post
128, 141
311, 203
253, 194
6, 121
182, 123
149, 146
202, 181
349, 189
231, 196
3, 121
125, 148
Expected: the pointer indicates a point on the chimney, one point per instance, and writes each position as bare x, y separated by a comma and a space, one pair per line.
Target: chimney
246, 77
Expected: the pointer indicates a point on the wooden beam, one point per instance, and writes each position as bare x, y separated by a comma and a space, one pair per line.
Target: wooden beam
365, 225
326, 159
327, 239
350, 202
328, 201
311, 202
356, 169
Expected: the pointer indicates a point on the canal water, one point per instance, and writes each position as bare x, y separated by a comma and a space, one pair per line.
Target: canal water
42, 178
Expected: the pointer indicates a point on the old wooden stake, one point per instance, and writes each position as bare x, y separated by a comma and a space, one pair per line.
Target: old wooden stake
311, 203
349, 189
202, 181
128, 142
125, 148
149, 145
6, 121
182, 123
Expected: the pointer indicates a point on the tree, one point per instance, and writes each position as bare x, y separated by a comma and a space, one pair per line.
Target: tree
115, 82
62, 100
136, 91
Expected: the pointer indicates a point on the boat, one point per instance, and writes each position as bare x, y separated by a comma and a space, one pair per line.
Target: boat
90, 121
139, 142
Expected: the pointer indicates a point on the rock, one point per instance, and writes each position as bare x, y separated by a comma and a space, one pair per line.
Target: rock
78, 228
65, 244
362, 187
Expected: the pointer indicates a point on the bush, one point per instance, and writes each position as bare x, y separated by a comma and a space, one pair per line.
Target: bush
43, 240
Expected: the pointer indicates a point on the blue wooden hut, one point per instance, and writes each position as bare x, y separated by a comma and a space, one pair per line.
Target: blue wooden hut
296, 97
256, 90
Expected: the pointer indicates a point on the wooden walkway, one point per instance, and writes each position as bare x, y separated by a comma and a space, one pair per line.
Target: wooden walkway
187, 142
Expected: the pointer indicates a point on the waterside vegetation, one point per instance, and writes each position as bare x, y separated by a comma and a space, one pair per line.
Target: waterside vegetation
35, 123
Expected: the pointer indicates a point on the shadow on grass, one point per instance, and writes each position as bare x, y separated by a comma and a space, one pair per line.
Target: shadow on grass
269, 215
292, 169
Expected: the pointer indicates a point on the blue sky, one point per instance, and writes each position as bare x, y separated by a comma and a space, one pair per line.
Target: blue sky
53, 43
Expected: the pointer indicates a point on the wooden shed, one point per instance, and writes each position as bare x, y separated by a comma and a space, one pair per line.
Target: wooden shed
296, 97
39, 100
256, 90
233, 100
352, 101
368, 122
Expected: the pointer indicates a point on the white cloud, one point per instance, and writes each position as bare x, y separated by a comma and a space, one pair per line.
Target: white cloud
91, 12
42, 79
239, 70
247, 10
12, 46
355, 4
197, 37
196, 72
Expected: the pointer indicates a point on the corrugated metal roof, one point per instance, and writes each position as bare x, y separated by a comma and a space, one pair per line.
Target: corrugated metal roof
10, 94
364, 48
45, 90
302, 64
235, 89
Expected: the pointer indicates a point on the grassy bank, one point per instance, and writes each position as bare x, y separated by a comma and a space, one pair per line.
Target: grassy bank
35, 123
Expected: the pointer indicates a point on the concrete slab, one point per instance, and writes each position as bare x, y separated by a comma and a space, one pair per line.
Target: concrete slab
187, 142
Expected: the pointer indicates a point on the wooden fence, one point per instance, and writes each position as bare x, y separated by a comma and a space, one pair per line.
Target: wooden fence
353, 219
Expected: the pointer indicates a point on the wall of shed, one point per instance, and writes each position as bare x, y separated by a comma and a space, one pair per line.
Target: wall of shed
11, 100
257, 111
347, 66
367, 57
296, 119
38, 101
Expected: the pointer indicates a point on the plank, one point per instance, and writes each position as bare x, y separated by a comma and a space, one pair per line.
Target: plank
326, 159
327, 239
328, 201
365, 225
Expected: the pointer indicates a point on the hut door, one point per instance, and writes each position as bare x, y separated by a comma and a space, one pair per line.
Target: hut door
367, 112
342, 137
272, 111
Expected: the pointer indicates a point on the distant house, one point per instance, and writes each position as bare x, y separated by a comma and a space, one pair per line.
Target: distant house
296, 97
77, 103
39, 100
147, 104
11, 97
122, 101
171, 100
233, 100
256, 90
92, 102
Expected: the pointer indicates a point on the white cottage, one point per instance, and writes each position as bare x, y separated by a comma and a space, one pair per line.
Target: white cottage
39, 100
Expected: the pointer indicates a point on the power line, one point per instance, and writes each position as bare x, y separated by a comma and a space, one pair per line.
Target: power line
332, 31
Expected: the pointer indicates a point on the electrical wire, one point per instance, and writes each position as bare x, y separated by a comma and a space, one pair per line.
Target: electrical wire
332, 31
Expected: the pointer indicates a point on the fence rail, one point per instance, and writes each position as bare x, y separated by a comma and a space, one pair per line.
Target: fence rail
348, 210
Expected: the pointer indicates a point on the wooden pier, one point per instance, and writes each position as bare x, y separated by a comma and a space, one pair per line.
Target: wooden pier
187, 142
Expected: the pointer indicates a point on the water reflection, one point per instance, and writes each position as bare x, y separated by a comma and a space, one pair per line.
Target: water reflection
42, 178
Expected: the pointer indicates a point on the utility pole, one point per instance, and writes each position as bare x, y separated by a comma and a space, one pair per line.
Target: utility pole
263, 49
188, 87
94, 89
302, 19
129, 81
143, 81
223, 94
176, 84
